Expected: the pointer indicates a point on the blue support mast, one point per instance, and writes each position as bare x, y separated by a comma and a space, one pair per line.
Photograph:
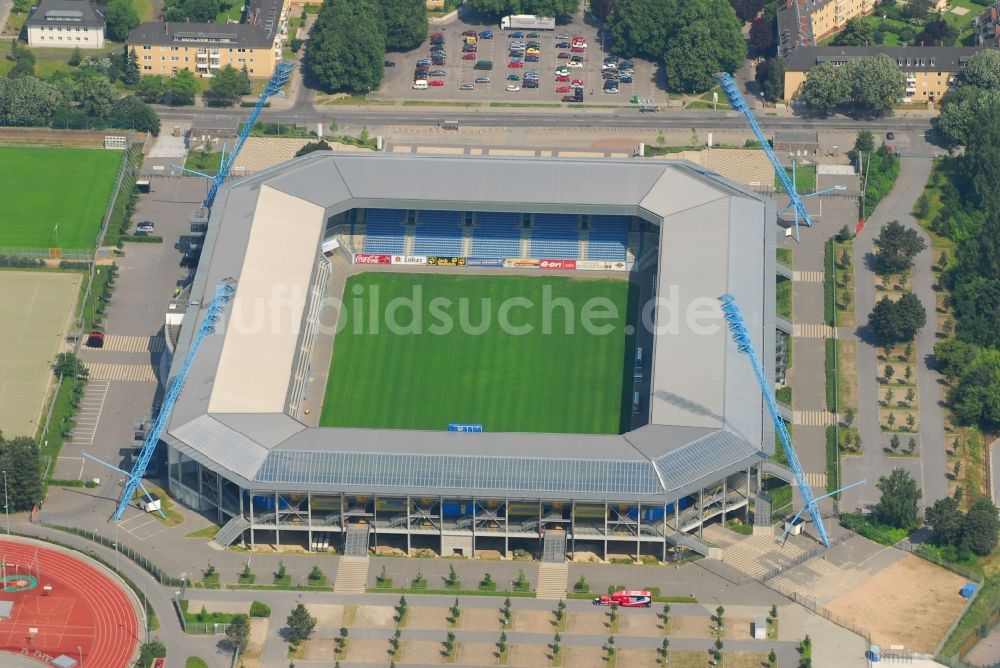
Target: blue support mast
274, 84
795, 200
223, 296
742, 339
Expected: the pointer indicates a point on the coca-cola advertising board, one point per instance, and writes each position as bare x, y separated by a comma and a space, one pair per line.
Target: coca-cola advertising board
369, 258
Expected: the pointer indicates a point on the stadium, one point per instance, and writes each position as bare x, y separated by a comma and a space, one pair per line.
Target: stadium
325, 412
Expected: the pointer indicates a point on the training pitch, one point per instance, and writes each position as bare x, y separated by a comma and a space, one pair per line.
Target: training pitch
44, 187
552, 379
34, 307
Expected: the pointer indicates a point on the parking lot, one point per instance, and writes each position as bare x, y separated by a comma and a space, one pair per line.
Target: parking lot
459, 72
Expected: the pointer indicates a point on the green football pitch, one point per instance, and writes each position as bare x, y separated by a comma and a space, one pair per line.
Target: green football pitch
54, 197
554, 379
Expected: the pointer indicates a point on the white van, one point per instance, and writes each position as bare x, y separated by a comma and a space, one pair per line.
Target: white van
420, 84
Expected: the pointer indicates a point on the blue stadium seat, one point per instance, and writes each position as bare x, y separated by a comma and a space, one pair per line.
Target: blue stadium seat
496, 235
555, 235
386, 232
438, 233
608, 238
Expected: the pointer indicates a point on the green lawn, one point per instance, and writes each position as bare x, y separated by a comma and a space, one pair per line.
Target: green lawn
783, 297
46, 187
805, 178
207, 163
547, 381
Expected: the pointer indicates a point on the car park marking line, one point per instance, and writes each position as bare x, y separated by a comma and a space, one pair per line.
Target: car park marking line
132, 344
816, 480
121, 372
90, 413
813, 418
808, 276
813, 331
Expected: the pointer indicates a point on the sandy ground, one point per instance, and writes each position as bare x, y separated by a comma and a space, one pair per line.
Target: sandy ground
587, 623
480, 619
584, 657
327, 615
422, 651
744, 659
638, 625
911, 603
690, 627
195, 605
368, 650
375, 617
534, 621
429, 618
320, 649
986, 651
530, 656
738, 628
476, 654
638, 658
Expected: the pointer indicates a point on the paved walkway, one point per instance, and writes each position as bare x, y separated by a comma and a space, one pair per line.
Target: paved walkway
929, 468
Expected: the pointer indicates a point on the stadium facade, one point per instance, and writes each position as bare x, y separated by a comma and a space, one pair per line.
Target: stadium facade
243, 448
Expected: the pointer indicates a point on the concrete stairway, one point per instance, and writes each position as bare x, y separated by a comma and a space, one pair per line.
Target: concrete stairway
352, 575
552, 579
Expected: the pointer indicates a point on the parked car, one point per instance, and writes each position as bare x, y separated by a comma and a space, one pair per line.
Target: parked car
95, 340
482, 80
469, 48
515, 64
423, 61
578, 49
562, 35
534, 35
562, 69
467, 87
469, 33
438, 73
514, 53
513, 88
563, 54
439, 62
469, 56
146, 227
611, 87
576, 59
486, 34
562, 78
517, 35
611, 59
389, 63
574, 63
530, 58
534, 45
609, 74
625, 78
517, 45
436, 83
563, 45
530, 83
513, 77
563, 89
531, 75
483, 65
437, 35
190, 259
890, 136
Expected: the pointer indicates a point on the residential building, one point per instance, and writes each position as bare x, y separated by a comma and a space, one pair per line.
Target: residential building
806, 22
930, 70
66, 24
164, 48
988, 27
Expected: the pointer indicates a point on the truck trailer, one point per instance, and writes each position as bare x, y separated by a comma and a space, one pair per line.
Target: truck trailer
527, 22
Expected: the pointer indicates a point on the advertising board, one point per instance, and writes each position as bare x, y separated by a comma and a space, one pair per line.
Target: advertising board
369, 258
520, 262
600, 265
557, 264
446, 261
483, 262
409, 259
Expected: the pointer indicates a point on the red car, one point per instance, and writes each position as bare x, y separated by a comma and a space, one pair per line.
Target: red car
579, 49
579, 38
515, 63
470, 33
469, 56
95, 340
577, 82
627, 599
562, 78
435, 82
563, 89
435, 35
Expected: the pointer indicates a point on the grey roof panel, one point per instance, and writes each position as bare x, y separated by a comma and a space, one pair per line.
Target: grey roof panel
267, 429
66, 13
914, 58
686, 466
231, 449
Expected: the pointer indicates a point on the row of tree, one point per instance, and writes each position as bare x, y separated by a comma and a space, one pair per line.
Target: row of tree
976, 89
872, 84
348, 42
19, 459
539, 7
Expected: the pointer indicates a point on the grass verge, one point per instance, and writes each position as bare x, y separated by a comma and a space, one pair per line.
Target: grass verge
832, 458
783, 297
830, 363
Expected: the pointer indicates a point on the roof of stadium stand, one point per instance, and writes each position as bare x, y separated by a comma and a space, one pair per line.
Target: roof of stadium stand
707, 417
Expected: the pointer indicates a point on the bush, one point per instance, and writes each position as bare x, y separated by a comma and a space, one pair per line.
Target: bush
259, 609
150, 651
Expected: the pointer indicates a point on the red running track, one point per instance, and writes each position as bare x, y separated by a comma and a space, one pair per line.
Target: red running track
87, 612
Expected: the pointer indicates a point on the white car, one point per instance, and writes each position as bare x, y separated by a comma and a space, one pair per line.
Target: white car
562, 71
513, 88
574, 63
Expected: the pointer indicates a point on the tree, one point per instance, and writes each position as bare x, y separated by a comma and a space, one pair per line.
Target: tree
642, 27
976, 398
876, 82
227, 86
132, 74
602, 8
320, 145
981, 71
895, 248
181, 88
864, 143
897, 506
857, 32
19, 459
346, 47
75, 58
405, 23
980, 527
540, 7
151, 88
96, 96
770, 76
825, 87
24, 62
238, 632
131, 112
894, 442
962, 107
917, 9
763, 39
707, 39
300, 624
936, 33
889, 372
746, 10
28, 101
896, 321
121, 19
911, 394
945, 518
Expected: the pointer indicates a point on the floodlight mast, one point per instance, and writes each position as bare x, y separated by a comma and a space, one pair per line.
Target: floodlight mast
223, 296
741, 337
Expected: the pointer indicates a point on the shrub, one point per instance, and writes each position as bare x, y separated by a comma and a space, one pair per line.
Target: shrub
260, 609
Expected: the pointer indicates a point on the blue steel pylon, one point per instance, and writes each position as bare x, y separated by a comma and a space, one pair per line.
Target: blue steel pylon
795, 200
274, 84
223, 296
741, 337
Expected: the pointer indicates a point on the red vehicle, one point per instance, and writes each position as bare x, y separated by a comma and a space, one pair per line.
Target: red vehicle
563, 89
469, 33
435, 82
469, 56
515, 64
577, 82
627, 599
95, 340
579, 49
562, 78
435, 35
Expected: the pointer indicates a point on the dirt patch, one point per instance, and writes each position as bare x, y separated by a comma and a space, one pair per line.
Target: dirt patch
258, 635
480, 619
530, 656
327, 614
489, 554
583, 657
476, 654
690, 626
375, 617
641, 624
587, 623
898, 613
738, 628
638, 658
744, 659
320, 649
429, 618
367, 650
894, 396
234, 607
386, 551
986, 650
847, 359
686, 658
585, 558
900, 423
533, 621
422, 651
45, 137
615, 144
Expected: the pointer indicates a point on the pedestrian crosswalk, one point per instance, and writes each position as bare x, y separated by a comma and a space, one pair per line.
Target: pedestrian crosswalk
813, 418
816, 480
813, 331
132, 344
123, 372
808, 276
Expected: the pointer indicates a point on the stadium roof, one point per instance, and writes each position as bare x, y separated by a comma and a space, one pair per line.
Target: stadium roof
706, 415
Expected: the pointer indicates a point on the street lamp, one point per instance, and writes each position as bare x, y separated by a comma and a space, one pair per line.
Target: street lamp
6, 506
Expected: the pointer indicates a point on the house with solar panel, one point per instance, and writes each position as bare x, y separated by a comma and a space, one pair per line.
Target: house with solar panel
66, 24
248, 444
